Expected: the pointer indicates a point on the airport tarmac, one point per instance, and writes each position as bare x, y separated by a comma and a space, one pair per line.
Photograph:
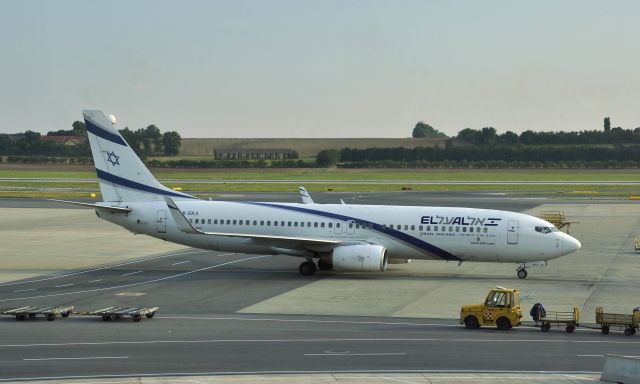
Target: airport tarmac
234, 313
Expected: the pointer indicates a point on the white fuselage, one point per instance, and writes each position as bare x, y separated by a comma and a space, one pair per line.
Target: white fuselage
407, 232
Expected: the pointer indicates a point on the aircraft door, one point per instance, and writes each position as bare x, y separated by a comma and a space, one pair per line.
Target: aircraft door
512, 232
351, 227
161, 221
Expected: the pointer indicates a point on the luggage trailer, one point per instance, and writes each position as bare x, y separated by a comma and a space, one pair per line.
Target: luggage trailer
49, 313
114, 313
107, 314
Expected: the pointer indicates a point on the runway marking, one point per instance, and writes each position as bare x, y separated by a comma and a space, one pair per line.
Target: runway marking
348, 340
498, 374
95, 281
631, 357
181, 262
24, 290
357, 354
77, 358
102, 268
132, 273
141, 282
64, 285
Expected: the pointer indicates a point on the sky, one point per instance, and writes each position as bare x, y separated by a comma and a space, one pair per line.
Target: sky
321, 68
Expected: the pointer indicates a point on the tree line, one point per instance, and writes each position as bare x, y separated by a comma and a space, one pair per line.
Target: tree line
144, 141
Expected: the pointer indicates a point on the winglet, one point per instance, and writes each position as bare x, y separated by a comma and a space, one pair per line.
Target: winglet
181, 221
304, 195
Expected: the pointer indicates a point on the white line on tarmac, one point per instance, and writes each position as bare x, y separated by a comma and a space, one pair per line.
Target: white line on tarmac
358, 354
141, 282
102, 268
95, 281
64, 285
132, 273
78, 358
24, 290
333, 340
181, 262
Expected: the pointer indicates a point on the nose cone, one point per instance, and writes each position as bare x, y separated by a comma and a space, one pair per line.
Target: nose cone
570, 244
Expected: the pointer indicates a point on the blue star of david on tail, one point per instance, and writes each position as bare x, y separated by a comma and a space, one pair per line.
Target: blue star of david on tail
113, 158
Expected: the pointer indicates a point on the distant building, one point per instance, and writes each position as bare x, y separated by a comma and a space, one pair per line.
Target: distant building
64, 140
252, 154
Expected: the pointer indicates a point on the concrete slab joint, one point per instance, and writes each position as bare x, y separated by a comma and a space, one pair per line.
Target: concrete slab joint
621, 369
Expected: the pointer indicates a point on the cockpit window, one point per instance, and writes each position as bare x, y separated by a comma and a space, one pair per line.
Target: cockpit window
546, 230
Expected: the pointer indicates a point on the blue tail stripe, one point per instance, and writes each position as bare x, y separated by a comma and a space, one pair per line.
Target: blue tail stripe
106, 176
423, 245
112, 137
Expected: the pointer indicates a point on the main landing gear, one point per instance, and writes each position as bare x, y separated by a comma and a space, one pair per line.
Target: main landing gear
522, 273
308, 268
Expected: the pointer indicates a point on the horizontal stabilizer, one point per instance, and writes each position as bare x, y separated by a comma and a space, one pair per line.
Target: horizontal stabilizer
110, 208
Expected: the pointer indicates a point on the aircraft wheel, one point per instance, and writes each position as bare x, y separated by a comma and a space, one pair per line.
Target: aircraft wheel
522, 273
308, 268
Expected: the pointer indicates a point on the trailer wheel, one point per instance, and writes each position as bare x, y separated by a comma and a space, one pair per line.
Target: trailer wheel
570, 328
136, 318
628, 331
150, 315
51, 316
471, 322
605, 329
66, 314
20, 317
106, 317
545, 327
32, 315
503, 324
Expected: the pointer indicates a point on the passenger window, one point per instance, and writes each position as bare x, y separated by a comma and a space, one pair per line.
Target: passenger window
196, 221
275, 223
234, 222
413, 227
350, 225
191, 220
215, 221
288, 223
315, 224
450, 229
295, 223
322, 225
484, 230
268, 223
247, 222
443, 228
255, 222
228, 222
464, 229
261, 222
435, 228
406, 227
457, 229
330, 225
309, 224
471, 229
337, 225
478, 229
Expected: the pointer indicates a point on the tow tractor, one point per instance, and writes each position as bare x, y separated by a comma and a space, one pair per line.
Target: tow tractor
500, 309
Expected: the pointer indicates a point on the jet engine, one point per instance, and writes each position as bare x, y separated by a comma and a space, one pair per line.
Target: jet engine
360, 258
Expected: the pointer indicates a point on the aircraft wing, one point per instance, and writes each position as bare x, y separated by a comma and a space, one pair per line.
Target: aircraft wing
304, 195
109, 208
185, 226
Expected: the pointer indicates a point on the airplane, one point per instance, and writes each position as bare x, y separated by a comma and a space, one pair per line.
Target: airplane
341, 237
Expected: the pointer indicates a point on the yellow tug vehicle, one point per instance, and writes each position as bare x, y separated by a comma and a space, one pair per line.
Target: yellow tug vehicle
500, 309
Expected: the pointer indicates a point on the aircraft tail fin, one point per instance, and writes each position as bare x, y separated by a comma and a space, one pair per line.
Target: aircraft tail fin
121, 174
304, 195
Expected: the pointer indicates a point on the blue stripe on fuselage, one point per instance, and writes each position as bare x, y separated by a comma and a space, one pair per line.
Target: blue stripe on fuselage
96, 130
422, 245
106, 176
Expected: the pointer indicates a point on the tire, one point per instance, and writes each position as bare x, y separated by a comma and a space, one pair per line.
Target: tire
471, 322
605, 329
136, 318
522, 273
503, 324
307, 268
65, 314
628, 331
570, 328
545, 327
106, 317
150, 315
51, 317
21, 317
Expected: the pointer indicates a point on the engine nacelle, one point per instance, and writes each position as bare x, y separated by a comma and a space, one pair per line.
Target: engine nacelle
360, 258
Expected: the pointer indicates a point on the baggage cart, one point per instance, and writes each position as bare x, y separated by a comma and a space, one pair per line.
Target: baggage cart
114, 313
49, 313
570, 320
620, 321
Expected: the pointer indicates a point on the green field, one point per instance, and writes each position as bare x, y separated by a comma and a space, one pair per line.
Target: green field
363, 181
